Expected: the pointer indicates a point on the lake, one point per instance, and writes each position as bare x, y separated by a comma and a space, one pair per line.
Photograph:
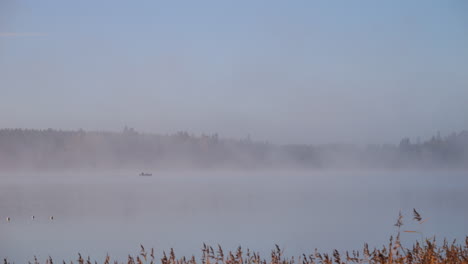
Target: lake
96, 213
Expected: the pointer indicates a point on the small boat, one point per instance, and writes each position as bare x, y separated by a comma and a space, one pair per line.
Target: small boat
145, 174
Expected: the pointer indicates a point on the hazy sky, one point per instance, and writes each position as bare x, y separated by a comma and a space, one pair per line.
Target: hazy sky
283, 71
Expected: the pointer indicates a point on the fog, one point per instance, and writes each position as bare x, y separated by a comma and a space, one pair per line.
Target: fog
307, 124
302, 73
61, 150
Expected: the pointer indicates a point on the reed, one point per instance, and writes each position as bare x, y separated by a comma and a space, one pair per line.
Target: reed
428, 252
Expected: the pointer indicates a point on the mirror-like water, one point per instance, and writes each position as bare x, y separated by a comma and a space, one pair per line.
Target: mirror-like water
98, 213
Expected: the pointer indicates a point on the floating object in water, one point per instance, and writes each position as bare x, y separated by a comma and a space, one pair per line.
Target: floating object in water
52, 217
145, 174
8, 219
33, 217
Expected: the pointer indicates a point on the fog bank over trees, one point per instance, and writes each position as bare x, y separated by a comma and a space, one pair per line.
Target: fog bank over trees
129, 149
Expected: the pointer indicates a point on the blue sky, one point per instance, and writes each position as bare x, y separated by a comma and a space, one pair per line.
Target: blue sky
283, 71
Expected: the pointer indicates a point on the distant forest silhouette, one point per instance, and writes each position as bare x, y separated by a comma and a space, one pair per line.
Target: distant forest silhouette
56, 149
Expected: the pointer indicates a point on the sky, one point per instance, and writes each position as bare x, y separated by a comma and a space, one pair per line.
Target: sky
310, 72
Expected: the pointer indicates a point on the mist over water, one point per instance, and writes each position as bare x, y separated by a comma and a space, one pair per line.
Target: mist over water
108, 192
307, 124
114, 212
43, 150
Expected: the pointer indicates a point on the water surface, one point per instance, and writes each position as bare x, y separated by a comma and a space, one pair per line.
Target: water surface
114, 212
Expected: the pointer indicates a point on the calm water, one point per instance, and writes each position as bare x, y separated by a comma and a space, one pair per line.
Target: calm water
99, 213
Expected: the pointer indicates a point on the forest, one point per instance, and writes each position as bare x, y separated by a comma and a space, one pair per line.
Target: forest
57, 149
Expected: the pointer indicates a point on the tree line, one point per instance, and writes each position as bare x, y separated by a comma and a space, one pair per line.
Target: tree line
57, 149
